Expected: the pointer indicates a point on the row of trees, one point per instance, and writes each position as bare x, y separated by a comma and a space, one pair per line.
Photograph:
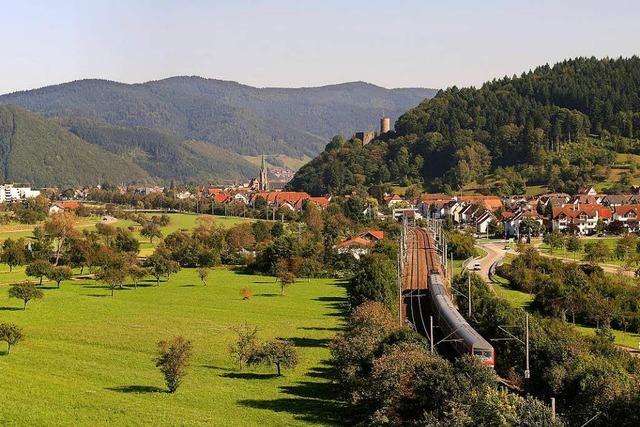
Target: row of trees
583, 293
588, 376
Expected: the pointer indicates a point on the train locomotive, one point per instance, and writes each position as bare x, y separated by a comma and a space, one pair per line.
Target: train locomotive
464, 339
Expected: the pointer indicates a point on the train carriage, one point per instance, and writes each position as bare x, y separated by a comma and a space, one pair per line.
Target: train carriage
464, 339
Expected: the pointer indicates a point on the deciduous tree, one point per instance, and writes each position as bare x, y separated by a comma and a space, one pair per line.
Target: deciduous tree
26, 291
11, 334
173, 360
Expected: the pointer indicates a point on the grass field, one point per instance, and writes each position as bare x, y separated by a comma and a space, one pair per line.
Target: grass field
579, 255
87, 357
179, 221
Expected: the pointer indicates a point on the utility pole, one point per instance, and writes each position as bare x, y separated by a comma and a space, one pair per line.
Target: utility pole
553, 409
469, 293
431, 333
527, 372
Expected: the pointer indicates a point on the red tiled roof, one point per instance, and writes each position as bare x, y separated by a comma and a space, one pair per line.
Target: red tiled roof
222, 197
589, 210
490, 202
376, 234
320, 201
69, 204
624, 209
356, 241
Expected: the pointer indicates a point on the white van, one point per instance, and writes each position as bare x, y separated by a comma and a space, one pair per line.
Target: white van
476, 266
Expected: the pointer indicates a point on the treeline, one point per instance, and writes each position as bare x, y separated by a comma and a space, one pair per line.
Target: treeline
579, 293
388, 377
588, 376
538, 124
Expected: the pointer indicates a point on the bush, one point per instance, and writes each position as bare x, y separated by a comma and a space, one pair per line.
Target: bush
11, 334
173, 360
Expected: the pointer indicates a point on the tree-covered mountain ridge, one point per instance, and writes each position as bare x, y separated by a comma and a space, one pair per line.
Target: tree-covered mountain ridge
296, 122
559, 126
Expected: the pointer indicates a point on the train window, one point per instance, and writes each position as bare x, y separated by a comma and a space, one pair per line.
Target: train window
482, 354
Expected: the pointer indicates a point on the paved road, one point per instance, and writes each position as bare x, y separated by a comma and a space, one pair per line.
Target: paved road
495, 251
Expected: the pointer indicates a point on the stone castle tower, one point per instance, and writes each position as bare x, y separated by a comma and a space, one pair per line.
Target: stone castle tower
263, 180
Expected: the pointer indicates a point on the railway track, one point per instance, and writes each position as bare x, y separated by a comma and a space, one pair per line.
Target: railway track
421, 259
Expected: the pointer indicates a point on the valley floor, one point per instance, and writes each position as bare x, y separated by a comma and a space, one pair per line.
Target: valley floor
87, 358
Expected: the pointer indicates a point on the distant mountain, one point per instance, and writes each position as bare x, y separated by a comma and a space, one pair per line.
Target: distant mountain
40, 152
242, 119
163, 155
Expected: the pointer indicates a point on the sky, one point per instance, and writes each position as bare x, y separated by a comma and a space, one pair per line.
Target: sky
294, 43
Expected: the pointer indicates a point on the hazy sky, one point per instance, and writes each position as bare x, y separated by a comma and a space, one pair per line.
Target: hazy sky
392, 43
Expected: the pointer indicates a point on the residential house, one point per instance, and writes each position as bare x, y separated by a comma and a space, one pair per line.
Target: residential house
583, 218
587, 191
361, 244
629, 215
66, 206
614, 200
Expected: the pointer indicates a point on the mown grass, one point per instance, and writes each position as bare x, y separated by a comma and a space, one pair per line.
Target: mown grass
178, 221
579, 255
87, 357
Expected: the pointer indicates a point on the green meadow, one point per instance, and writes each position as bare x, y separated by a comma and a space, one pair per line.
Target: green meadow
87, 357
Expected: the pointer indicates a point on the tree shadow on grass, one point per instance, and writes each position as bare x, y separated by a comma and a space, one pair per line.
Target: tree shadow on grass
310, 401
137, 389
48, 287
309, 342
10, 308
337, 305
315, 328
267, 295
187, 286
249, 376
216, 368
98, 295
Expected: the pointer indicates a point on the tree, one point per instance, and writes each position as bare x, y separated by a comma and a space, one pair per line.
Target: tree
203, 273
39, 269
113, 276
573, 244
136, 273
13, 252
554, 240
246, 344
173, 360
285, 278
11, 334
60, 227
374, 280
151, 230
160, 264
279, 352
596, 252
124, 241
25, 291
58, 274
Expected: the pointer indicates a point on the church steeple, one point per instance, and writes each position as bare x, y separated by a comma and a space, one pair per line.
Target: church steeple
263, 180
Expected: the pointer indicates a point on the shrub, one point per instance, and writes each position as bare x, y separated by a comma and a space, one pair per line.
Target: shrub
173, 360
11, 334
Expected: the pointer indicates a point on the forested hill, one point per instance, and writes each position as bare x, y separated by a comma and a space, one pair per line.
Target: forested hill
163, 155
557, 125
242, 119
40, 152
